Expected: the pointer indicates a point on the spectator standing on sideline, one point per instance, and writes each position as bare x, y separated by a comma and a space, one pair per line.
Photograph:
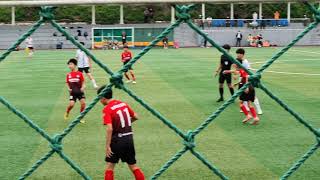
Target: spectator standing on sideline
146, 15
254, 23
209, 21
277, 17
239, 38
262, 23
254, 16
124, 38
201, 23
165, 42
151, 14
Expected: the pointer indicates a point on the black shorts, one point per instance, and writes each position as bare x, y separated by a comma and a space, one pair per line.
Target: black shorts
76, 95
225, 77
30, 48
124, 63
122, 148
124, 41
85, 69
250, 96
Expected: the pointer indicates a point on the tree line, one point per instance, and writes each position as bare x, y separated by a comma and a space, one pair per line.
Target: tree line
109, 14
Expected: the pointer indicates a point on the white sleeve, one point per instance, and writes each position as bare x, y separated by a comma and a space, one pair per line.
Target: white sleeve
246, 64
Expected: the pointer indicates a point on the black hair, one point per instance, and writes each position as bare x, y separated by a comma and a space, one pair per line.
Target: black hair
108, 94
226, 46
73, 61
82, 43
240, 51
125, 47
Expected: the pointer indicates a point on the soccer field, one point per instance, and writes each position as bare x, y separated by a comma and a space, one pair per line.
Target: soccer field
180, 84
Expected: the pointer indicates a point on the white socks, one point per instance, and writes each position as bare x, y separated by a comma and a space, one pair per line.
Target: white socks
94, 83
258, 107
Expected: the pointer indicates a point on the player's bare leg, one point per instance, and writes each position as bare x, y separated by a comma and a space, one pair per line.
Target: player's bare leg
127, 76
244, 109
133, 77
138, 174
70, 106
94, 83
82, 107
108, 174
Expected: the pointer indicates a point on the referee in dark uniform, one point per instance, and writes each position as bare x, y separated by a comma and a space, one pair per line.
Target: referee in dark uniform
225, 64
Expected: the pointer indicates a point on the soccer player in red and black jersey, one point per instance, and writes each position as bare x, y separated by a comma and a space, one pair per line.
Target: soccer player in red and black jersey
126, 56
76, 86
118, 117
249, 94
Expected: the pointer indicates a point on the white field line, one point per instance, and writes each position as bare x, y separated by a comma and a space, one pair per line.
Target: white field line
312, 52
291, 73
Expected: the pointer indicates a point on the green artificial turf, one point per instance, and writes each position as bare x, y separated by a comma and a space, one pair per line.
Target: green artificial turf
180, 84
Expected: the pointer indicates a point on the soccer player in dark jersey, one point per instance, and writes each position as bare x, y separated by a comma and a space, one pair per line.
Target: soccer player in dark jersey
225, 64
165, 42
76, 86
249, 94
126, 56
124, 38
118, 117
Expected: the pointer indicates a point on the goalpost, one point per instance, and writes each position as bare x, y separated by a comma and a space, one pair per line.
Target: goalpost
188, 138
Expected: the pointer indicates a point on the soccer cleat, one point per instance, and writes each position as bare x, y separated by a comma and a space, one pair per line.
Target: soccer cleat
260, 112
220, 100
134, 82
82, 121
66, 116
128, 81
95, 86
247, 119
255, 121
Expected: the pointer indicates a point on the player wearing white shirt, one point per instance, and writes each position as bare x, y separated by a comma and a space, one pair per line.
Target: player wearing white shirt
84, 65
29, 46
256, 102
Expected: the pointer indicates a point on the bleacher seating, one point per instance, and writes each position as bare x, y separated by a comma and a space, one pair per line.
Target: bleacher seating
241, 22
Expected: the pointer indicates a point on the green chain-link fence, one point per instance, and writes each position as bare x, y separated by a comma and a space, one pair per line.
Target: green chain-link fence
183, 15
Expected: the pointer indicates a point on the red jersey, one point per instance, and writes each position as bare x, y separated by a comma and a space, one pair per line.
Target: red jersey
126, 56
119, 114
75, 81
244, 76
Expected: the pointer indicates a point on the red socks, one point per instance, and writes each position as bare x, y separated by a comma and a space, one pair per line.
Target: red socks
108, 175
138, 174
253, 112
83, 106
126, 75
69, 109
244, 109
133, 77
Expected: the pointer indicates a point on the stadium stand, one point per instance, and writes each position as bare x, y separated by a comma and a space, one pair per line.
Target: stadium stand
47, 38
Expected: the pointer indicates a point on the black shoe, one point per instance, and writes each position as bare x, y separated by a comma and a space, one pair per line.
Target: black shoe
220, 100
